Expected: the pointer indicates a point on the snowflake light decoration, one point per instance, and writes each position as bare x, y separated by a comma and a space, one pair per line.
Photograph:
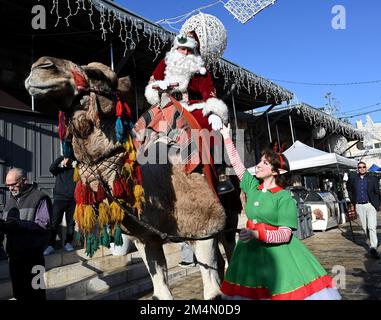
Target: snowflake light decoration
244, 10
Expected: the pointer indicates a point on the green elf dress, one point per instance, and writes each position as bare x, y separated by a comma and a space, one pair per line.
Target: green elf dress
281, 271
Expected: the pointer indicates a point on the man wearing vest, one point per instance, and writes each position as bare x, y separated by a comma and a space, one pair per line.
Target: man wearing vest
25, 222
364, 193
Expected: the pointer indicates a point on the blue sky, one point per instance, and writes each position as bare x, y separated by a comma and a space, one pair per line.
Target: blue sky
294, 40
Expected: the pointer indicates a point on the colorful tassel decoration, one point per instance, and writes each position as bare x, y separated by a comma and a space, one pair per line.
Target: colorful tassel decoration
89, 219
100, 195
67, 149
118, 240
117, 213
78, 215
76, 176
105, 237
62, 130
119, 130
103, 214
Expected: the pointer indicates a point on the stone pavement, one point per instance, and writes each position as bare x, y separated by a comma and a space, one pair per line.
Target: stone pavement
338, 254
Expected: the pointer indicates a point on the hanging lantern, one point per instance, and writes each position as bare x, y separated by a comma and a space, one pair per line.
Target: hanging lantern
338, 143
319, 133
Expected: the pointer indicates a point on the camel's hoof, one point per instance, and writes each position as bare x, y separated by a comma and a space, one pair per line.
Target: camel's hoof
155, 298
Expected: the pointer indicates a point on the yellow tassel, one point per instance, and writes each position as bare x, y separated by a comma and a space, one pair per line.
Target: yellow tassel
76, 176
139, 198
132, 155
89, 218
117, 213
129, 146
78, 215
139, 193
103, 214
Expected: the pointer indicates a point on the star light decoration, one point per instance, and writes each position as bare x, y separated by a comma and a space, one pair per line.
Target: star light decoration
133, 28
244, 10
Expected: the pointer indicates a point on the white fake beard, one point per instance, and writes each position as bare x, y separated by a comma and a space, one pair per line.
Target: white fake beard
181, 68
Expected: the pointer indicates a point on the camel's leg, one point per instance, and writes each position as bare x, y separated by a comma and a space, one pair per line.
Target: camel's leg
154, 259
206, 254
228, 239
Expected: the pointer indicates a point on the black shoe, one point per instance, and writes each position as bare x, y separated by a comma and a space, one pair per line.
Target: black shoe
374, 253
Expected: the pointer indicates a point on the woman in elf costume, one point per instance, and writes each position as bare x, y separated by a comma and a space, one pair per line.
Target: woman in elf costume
268, 262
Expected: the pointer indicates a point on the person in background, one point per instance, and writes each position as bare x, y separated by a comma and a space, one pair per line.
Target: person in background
25, 222
64, 202
268, 262
364, 194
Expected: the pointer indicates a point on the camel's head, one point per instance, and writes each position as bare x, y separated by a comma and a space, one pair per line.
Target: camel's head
63, 81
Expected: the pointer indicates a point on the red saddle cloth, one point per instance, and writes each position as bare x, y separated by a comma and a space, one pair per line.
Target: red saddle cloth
196, 147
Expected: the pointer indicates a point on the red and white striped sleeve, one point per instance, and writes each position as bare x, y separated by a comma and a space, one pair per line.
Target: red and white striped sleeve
282, 235
235, 160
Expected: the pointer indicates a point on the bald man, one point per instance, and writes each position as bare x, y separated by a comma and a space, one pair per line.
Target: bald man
25, 222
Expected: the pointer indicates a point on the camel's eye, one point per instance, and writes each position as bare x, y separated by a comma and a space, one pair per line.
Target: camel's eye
45, 65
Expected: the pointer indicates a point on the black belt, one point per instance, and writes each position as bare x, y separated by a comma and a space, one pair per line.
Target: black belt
362, 202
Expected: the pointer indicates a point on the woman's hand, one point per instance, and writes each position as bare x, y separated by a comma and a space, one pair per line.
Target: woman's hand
225, 131
246, 235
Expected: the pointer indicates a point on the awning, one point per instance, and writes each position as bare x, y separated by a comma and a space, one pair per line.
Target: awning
311, 160
374, 168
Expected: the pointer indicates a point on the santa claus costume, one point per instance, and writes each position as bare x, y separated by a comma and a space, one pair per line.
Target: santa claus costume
195, 90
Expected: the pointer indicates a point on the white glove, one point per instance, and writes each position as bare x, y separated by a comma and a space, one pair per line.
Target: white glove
215, 121
163, 84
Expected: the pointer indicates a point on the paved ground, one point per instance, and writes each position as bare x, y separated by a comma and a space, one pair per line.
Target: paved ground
337, 253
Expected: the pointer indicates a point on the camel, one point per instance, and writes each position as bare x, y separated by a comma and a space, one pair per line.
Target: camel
175, 203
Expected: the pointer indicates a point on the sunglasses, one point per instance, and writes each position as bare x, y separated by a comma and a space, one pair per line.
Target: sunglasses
362, 167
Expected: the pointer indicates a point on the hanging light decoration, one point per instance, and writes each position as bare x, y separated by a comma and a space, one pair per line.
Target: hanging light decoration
319, 133
244, 10
338, 143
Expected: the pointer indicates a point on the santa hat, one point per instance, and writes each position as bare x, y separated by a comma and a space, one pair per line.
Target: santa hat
185, 41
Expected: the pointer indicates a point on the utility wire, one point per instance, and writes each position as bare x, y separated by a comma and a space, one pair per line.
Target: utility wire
328, 84
184, 16
360, 108
361, 114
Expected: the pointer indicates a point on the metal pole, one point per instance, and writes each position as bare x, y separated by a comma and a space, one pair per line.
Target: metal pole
235, 114
292, 129
268, 127
135, 89
112, 56
277, 134
32, 58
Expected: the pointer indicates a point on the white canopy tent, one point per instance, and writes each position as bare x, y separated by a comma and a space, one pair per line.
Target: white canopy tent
306, 158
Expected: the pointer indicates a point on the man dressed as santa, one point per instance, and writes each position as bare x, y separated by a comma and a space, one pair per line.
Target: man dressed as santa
184, 66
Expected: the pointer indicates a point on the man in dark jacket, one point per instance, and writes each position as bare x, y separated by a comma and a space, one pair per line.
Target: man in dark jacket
63, 196
364, 193
25, 222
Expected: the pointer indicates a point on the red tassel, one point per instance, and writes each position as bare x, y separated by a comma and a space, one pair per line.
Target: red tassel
138, 173
88, 195
125, 187
78, 193
128, 110
83, 194
122, 107
61, 125
117, 189
100, 196
119, 109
